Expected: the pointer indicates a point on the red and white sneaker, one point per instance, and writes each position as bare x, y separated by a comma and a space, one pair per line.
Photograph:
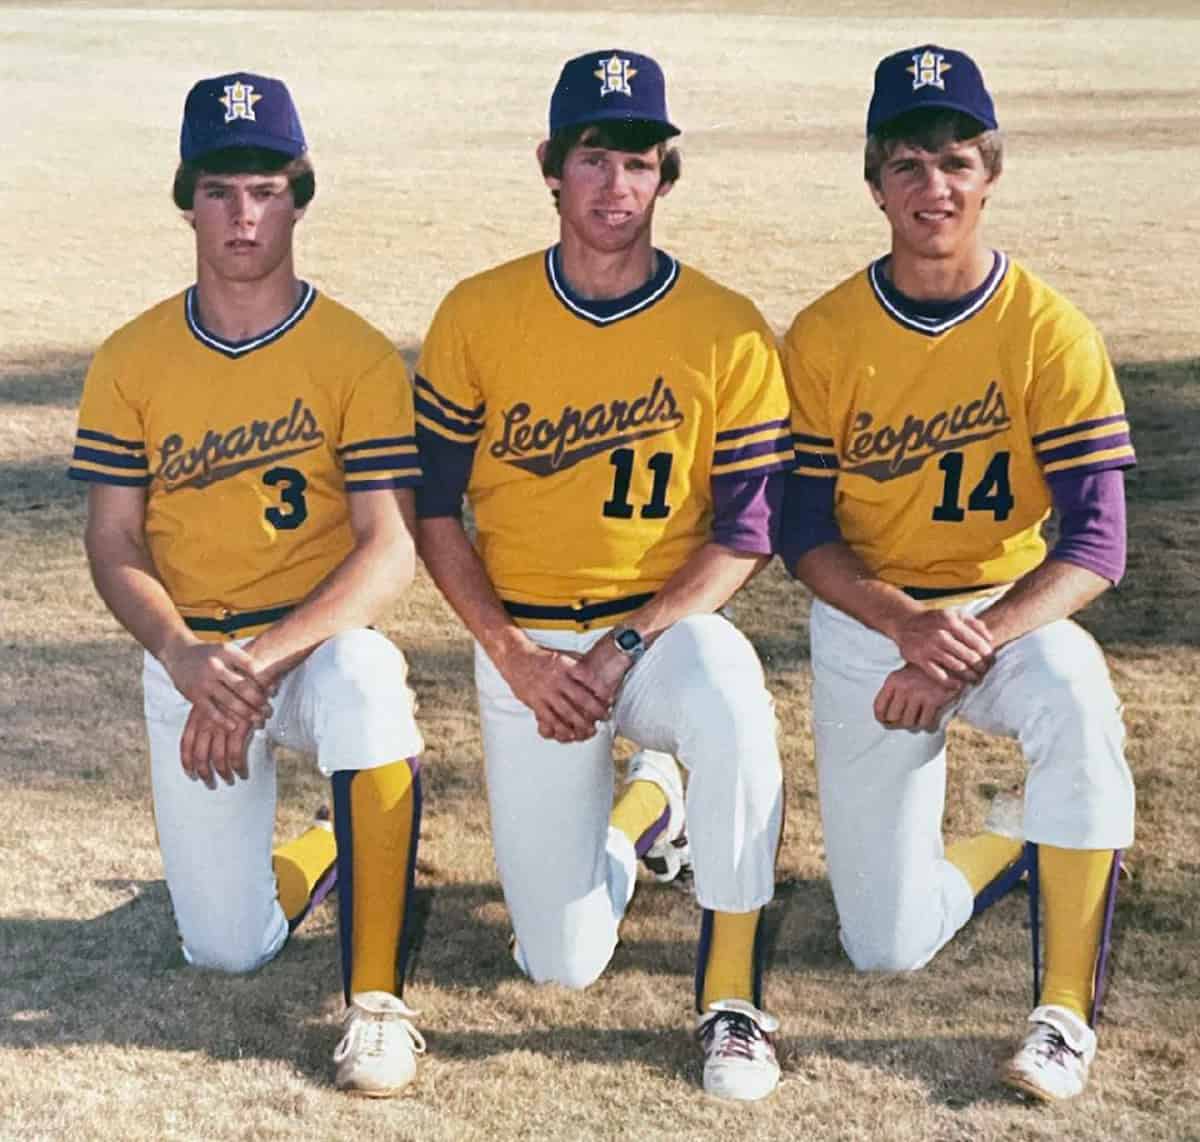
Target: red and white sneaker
739, 1052
1054, 1060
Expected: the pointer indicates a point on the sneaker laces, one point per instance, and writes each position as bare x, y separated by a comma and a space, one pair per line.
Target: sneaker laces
367, 1034
1049, 1043
730, 1034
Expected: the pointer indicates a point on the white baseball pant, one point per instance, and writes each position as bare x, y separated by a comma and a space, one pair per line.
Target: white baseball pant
348, 705
699, 694
883, 791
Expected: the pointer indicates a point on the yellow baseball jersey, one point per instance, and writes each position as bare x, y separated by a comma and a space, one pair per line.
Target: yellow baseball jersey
600, 443
247, 450
940, 431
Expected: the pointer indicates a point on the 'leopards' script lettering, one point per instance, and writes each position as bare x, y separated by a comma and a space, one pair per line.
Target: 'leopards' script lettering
219, 455
550, 444
883, 452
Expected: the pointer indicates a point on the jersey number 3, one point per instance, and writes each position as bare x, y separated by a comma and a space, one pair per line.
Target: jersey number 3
617, 506
993, 492
291, 495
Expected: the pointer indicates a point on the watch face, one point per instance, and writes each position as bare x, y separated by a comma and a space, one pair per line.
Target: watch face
629, 640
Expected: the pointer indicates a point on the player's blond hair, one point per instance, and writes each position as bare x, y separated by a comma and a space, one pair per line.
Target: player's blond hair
245, 160
930, 129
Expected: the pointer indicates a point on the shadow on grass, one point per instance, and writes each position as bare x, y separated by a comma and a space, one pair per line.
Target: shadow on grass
53, 378
119, 979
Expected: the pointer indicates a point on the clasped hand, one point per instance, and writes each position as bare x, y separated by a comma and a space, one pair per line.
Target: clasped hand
231, 698
567, 692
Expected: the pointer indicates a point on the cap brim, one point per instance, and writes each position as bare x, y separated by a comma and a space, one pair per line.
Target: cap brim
936, 104
669, 130
227, 141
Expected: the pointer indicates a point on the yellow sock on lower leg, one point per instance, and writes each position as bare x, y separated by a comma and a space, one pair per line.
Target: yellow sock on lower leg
729, 971
1074, 885
382, 812
984, 857
642, 803
299, 864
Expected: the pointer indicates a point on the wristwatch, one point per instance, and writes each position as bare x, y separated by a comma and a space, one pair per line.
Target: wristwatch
629, 643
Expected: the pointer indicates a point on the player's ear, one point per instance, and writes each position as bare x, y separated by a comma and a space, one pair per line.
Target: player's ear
664, 188
552, 181
298, 213
876, 194
189, 216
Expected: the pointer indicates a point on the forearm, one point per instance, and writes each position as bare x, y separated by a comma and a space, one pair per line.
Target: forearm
353, 595
1052, 591
704, 584
835, 574
455, 566
127, 581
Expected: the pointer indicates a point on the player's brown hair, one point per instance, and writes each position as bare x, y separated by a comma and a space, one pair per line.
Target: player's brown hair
930, 129
246, 160
632, 135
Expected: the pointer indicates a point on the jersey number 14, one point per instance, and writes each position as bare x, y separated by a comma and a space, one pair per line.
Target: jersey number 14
993, 492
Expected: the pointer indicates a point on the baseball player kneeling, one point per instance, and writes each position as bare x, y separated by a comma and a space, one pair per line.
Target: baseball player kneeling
250, 454
944, 400
618, 422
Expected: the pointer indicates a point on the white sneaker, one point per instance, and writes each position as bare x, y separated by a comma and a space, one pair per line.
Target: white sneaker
739, 1054
669, 857
1053, 1061
377, 1055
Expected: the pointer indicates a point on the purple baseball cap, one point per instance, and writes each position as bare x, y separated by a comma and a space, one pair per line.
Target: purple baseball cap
240, 110
929, 76
610, 84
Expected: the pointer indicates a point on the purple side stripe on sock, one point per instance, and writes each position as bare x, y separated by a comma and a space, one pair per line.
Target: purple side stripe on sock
1031, 856
647, 839
1110, 905
321, 889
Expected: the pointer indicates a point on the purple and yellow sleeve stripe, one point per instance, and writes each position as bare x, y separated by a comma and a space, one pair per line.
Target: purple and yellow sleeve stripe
1089, 446
815, 456
102, 459
753, 450
386, 462
442, 416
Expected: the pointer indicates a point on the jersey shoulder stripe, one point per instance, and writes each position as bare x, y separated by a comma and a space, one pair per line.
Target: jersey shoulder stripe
443, 417
1101, 422
815, 456
759, 449
118, 462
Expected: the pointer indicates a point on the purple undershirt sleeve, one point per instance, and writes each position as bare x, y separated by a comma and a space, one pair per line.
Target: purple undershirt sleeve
1091, 512
446, 465
808, 518
746, 511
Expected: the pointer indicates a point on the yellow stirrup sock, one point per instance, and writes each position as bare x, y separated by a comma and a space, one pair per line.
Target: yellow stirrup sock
299, 864
729, 970
1074, 884
984, 857
640, 806
382, 810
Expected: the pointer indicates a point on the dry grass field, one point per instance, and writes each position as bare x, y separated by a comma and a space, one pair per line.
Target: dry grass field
423, 123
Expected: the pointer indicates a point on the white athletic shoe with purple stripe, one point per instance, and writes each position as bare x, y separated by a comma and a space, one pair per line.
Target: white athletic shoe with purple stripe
1054, 1060
669, 857
739, 1052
